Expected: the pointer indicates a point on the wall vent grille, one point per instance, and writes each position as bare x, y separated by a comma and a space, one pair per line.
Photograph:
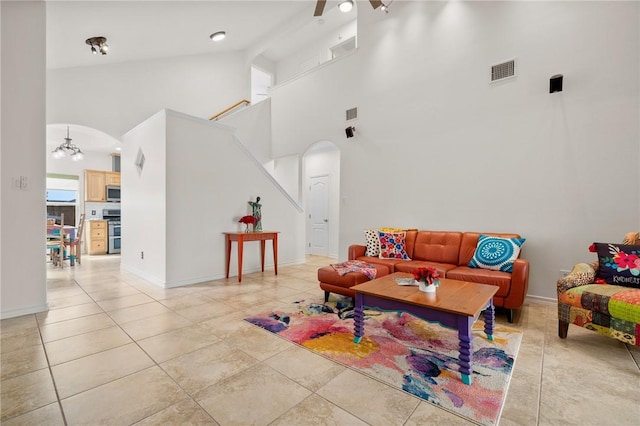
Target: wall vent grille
503, 70
352, 114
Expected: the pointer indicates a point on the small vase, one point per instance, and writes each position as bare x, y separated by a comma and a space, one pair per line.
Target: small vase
246, 229
422, 286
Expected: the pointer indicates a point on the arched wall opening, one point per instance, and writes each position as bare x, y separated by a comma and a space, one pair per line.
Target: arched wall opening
321, 198
65, 174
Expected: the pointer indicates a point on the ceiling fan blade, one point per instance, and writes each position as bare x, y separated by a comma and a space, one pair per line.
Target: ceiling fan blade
319, 7
375, 3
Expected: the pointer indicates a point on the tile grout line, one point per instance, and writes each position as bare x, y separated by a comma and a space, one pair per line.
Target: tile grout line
543, 352
53, 379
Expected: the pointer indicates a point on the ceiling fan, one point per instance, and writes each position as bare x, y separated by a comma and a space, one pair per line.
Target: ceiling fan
321, 3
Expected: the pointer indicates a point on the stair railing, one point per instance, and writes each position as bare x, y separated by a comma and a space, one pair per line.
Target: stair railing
221, 113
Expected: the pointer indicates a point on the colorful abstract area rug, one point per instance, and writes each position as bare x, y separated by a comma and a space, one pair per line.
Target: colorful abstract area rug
407, 353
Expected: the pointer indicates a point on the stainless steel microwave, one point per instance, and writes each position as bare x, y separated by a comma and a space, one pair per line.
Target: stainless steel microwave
113, 193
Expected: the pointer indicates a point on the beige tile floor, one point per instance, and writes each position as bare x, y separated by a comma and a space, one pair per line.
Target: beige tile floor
114, 349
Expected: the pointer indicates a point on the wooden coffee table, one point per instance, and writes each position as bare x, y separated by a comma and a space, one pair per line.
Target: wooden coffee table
455, 304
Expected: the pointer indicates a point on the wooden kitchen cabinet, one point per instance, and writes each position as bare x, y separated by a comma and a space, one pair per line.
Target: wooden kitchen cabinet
97, 237
95, 182
94, 185
112, 178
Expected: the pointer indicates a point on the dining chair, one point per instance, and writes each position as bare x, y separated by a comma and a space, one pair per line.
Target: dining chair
55, 242
75, 246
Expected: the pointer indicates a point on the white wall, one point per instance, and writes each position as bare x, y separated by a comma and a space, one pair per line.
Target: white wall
314, 54
286, 170
22, 113
144, 212
115, 98
253, 128
194, 187
438, 147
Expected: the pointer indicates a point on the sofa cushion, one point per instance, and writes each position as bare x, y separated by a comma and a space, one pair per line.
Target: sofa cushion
496, 253
372, 242
482, 276
437, 246
393, 245
411, 265
619, 264
614, 301
388, 263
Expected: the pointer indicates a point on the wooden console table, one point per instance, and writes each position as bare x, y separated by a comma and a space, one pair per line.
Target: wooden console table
241, 237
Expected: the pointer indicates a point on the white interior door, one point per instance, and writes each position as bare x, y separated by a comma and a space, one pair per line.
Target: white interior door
319, 215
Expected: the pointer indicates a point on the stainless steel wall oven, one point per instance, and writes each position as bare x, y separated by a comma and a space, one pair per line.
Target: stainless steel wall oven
112, 216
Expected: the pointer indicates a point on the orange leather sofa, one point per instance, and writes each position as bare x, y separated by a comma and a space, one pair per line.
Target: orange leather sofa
450, 252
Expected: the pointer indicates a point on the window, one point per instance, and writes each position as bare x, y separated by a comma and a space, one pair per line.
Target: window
61, 196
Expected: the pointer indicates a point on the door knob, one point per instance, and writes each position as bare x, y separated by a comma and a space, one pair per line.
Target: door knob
326, 220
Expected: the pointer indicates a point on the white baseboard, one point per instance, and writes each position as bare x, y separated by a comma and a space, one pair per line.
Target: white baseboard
541, 300
24, 311
157, 282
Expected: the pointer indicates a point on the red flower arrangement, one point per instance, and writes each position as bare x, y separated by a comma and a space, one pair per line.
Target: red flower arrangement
247, 220
427, 275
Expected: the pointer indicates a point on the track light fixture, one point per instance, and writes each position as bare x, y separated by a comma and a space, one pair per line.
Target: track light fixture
345, 6
385, 7
67, 148
98, 44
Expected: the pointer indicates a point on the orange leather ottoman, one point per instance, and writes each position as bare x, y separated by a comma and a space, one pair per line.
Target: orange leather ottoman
332, 282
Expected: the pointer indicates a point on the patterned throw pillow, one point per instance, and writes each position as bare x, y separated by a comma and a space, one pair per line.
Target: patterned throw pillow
392, 245
496, 253
619, 264
632, 238
372, 243
392, 229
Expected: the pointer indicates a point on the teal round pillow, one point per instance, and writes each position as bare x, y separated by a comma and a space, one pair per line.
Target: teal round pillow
496, 253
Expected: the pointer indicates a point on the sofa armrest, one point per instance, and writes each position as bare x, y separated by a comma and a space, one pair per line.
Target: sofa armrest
581, 274
519, 284
356, 251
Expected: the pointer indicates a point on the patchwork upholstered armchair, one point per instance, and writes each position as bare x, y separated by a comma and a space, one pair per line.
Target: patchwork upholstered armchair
604, 296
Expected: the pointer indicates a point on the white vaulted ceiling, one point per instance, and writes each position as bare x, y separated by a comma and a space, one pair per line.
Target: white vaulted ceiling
142, 30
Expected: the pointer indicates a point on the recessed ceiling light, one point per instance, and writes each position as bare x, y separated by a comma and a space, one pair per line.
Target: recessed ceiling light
217, 36
346, 6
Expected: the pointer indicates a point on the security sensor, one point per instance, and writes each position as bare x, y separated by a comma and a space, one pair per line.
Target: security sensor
349, 131
555, 83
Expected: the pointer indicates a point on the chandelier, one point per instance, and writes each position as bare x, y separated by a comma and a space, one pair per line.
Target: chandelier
98, 44
67, 148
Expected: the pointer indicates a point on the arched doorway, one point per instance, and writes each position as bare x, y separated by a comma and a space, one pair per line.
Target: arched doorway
321, 195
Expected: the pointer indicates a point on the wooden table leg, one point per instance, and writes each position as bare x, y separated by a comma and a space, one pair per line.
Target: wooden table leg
262, 244
228, 248
240, 253
275, 253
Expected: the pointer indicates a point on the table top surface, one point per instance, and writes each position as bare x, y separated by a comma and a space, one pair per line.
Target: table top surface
458, 297
251, 232
251, 236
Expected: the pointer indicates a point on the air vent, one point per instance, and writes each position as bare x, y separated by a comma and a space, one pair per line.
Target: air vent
503, 71
352, 114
